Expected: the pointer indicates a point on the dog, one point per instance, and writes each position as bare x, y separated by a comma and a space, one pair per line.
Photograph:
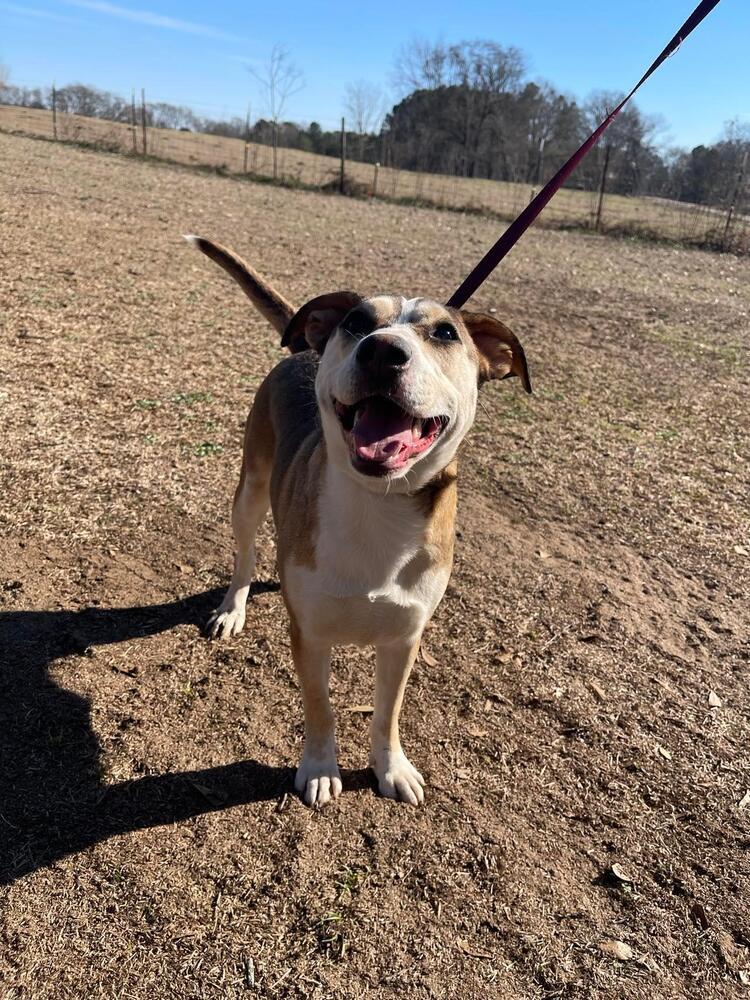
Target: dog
352, 441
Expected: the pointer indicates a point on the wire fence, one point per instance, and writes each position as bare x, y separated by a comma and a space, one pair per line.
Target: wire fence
726, 228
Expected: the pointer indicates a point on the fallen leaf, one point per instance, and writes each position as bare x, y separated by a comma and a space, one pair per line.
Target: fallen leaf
665, 753
463, 774
362, 709
741, 550
476, 731
598, 691
699, 916
427, 656
744, 801
620, 874
543, 553
714, 700
617, 949
467, 949
506, 656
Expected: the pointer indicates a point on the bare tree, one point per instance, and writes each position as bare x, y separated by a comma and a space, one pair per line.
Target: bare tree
421, 65
80, 99
4, 76
279, 80
364, 104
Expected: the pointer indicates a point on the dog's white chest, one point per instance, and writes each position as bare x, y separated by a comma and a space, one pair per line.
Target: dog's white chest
374, 579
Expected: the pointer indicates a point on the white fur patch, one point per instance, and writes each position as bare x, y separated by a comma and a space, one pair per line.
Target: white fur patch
357, 591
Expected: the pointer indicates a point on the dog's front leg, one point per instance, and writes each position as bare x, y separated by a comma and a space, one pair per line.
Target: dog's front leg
318, 779
251, 501
397, 777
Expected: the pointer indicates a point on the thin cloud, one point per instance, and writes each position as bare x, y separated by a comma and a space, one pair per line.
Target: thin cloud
154, 20
14, 8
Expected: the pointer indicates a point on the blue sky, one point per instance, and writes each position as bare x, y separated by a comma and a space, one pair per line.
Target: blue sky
197, 54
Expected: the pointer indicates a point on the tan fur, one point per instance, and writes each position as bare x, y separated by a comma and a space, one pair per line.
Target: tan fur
273, 306
283, 433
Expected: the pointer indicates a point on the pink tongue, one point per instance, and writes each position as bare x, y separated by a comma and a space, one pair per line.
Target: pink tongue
383, 432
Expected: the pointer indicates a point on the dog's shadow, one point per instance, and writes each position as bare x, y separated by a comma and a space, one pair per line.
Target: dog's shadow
52, 801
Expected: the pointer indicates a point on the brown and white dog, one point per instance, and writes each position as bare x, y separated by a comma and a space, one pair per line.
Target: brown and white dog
352, 441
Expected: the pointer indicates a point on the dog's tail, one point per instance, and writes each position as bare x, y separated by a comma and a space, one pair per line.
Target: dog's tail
267, 301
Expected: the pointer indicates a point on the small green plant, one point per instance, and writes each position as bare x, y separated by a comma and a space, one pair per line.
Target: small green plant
349, 882
332, 928
206, 449
191, 398
147, 404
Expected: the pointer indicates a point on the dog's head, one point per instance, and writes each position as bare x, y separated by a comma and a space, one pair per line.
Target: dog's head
398, 379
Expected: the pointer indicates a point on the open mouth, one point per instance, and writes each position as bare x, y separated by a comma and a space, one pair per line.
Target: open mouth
383, 437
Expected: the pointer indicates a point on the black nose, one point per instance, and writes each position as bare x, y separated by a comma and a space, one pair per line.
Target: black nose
383, 355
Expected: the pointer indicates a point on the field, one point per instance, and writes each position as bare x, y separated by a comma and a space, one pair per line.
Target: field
581, 709
652, 218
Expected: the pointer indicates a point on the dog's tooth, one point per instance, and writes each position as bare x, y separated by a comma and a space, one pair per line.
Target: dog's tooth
416, 429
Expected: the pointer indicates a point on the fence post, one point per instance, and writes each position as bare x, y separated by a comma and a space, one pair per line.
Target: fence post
275, 149
143, 118
247, 140
342, 178
540, 161
735, 196
54, 112
602, 186
539, 168
133, 123
375, 181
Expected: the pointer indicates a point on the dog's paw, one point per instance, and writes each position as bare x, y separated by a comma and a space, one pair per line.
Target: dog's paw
318, 780
225, 623
398, 778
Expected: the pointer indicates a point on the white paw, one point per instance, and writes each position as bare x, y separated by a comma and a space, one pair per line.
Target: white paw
225, 623
397, 777
318, 779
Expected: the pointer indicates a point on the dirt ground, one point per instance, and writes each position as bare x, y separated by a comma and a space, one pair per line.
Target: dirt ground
581, 713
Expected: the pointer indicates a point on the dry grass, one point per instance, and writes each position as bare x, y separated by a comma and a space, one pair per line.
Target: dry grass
149, 840
653, 218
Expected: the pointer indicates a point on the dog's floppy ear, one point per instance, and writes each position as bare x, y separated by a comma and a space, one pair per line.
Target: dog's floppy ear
312, 325
500, 351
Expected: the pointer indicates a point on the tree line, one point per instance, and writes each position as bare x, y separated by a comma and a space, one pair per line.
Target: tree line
468, 110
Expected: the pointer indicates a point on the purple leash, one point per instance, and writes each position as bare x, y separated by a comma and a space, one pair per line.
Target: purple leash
516, 229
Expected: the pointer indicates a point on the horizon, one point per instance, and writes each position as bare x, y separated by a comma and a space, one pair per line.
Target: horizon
117, 48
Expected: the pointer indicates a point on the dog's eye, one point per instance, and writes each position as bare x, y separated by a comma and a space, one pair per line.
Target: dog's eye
444, 332
358, 324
